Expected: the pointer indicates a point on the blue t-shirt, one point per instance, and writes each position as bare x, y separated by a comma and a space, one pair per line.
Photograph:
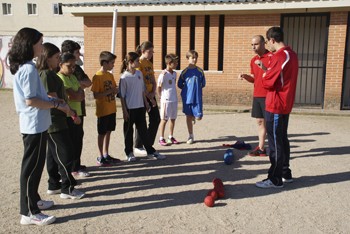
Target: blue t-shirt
191, 81
27, 85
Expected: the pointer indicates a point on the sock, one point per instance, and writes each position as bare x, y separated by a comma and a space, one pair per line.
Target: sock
191, 135
170, 136
105, 156
161, 138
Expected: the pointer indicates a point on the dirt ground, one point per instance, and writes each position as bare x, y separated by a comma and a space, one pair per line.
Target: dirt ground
167, 196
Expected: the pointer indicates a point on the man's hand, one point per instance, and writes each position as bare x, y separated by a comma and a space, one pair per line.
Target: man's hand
260, 64
241, 76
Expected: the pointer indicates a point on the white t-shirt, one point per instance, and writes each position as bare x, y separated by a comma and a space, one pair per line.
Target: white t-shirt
131, 88
168, 83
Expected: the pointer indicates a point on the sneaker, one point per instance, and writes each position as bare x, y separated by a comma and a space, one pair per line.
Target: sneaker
258, 152
43, 205
267, 184
131, 157
156, 155
190, 140
141, 151
163, 143
76, 194
56, 191
38, 219
172, 141
112, 160
285, 180
103, 162
81, 173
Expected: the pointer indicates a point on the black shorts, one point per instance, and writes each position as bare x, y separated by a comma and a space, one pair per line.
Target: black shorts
106, 123
258, 110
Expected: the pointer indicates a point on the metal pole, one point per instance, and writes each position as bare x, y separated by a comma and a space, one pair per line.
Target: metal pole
115, 12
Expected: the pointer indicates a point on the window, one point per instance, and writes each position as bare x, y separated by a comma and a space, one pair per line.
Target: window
6, 9
57, 8
32, 9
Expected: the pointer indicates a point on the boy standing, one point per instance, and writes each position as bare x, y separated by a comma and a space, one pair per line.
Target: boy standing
167, 93
191, 81
104, 89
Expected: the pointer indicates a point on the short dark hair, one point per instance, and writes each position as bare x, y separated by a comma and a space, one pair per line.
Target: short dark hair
276, 33
65, 57
170, 58
106, 56
70, 46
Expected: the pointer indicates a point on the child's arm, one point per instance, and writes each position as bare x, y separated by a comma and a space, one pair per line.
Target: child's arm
125, 111
159, 89
75, 96
112, 91
145, 101
85, 82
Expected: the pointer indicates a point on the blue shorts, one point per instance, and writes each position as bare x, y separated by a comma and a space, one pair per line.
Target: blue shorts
193, 109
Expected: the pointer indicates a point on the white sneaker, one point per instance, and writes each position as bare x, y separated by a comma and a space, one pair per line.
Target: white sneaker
76, 194
141, 151
267, 184
43, 205
57, 191
156, 155
81, 173
38, 219
190, 140
131, 157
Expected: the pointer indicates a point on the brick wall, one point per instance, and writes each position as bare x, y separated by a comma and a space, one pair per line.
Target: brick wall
335, 60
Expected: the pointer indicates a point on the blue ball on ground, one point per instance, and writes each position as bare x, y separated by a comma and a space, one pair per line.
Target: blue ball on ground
228, 157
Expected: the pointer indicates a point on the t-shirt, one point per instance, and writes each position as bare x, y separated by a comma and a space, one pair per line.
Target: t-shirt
102, 82
132, 88
259, 90
80, 75
168, 83
191, 81
71, 82
146, 67
54, 84
27, 85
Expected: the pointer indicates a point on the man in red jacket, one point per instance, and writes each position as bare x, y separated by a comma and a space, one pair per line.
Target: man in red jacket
280, 79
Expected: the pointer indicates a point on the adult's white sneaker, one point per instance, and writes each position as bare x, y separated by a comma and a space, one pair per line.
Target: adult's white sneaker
76, 194
141, 151
43, 205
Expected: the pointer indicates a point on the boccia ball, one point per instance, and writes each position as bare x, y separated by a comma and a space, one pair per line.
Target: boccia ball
216, 180
220, 192
213, 194
209, 201
219, 185
228, 157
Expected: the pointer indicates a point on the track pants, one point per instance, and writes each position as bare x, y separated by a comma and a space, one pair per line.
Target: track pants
32, 167
76, 135
154, 121
137, 117
59, 161
279, 149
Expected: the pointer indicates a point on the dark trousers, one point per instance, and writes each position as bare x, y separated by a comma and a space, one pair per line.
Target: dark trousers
137, 117
279, 149
154, 121
59, 161
32, 167
76, 134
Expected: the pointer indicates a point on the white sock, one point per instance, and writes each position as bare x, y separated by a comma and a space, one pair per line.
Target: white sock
170, 136
161, 138
191, 135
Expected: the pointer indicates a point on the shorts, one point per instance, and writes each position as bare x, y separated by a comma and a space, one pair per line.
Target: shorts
193, 109
106, 123
258, 109
168, 110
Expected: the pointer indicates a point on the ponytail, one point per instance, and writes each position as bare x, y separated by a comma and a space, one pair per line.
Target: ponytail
130, 57
146, 45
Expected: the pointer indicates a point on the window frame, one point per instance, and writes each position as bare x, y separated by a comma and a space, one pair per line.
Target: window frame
36, 8
59, 6
6, 7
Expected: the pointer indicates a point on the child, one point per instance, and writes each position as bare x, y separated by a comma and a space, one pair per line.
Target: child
145, 51
105, 89
167, 93
32, 106
59, 154
72, 47
75, 95
133, 99
191, 81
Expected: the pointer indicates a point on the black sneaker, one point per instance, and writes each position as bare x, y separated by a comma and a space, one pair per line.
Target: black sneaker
103, 162
112, 160
258, 152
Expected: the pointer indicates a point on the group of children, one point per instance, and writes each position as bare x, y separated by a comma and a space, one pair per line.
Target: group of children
49, 99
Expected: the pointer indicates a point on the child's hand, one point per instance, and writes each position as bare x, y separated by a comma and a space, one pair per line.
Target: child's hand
154, 103
77, 120
148, 107
151, 96
125, 116
62, 101
64, 107
115, 90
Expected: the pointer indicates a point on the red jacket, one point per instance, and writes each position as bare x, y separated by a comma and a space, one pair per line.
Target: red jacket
281, 81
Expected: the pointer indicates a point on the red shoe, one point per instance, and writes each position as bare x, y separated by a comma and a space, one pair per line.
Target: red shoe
258, 152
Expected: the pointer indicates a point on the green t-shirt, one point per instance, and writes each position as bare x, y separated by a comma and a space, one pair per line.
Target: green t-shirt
80, 74
71, 82
53, 84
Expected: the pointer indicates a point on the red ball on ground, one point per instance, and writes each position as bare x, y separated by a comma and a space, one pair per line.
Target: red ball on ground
209, 201
213, 194
220, 192
216, 180
219, 185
